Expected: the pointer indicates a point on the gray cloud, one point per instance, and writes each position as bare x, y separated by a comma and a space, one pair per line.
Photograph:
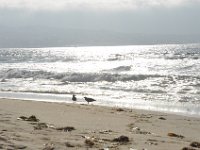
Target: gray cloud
33, 23
56, 5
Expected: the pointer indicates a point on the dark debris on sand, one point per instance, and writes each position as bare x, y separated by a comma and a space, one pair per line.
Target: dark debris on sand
40, 126
175, 135
162, 118
188, 148
31, 118
121, 139
119, 109
89, 142
195, 144
66, 129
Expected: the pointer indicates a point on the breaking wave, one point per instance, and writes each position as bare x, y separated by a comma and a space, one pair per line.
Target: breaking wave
84, 77
72, 77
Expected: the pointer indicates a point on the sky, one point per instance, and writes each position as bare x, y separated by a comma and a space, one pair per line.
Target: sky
41, 23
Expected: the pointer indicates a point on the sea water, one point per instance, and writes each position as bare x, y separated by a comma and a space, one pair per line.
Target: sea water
152, 77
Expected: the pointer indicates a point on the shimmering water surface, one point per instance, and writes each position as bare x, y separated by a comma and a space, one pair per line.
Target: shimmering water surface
155, 77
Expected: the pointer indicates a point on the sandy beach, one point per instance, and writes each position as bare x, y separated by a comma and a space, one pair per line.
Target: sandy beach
75, 126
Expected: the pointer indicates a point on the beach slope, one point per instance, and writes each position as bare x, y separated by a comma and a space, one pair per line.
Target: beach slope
43, 125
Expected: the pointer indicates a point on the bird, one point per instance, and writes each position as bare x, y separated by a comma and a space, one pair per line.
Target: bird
74, 97
89, 99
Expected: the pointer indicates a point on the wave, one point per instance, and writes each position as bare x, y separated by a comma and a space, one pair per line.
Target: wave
42, 91
84, 77
120, 69
71, 77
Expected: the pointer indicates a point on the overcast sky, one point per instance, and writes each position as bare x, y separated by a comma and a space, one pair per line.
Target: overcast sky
41, 22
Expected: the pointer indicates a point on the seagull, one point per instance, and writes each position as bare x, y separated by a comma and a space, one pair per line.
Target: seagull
89, 99
74, 97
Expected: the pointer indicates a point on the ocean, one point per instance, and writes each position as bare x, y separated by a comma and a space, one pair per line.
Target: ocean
152, 77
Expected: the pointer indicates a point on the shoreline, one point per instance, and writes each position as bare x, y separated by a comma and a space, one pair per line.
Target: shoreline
94, 127
187, 110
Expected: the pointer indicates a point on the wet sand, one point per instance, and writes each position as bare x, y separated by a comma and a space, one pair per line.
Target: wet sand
75, 126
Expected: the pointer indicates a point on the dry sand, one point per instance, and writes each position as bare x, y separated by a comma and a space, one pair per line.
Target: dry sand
95, 127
